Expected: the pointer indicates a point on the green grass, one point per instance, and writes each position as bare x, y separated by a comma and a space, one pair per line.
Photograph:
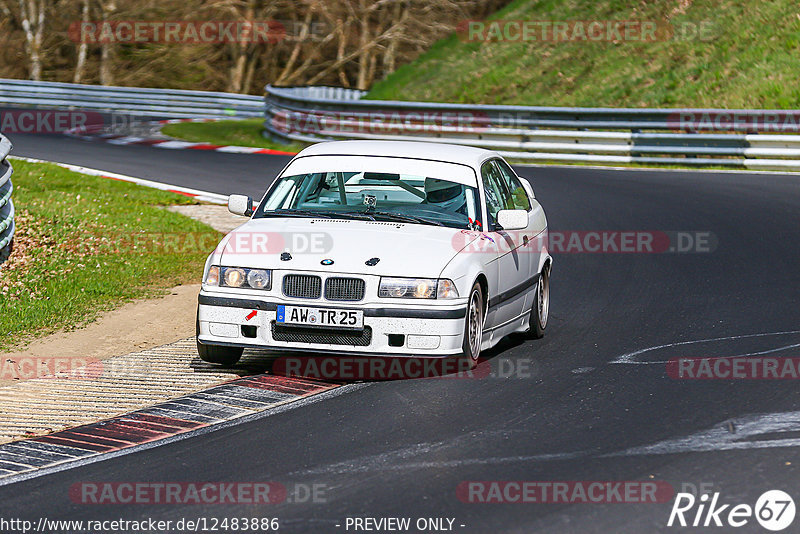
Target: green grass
245, 132
750, 60
85, 245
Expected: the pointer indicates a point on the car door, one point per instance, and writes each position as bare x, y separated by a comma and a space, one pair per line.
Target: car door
533, 238
512, 266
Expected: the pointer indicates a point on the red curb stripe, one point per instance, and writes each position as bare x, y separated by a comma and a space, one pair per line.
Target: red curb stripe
274, 152
294, 380
284, 385
277, 389
167, 421
90, 434
205, 147
274, 387
114, 431
271, 384
150, 427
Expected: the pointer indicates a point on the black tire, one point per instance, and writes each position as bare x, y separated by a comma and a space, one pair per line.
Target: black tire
219, 355
473, 326
540, 311
215, 353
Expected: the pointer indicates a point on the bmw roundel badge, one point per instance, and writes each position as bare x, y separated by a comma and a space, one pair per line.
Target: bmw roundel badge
327, 261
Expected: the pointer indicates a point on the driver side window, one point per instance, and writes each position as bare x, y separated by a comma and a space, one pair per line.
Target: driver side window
519, 198
496, 196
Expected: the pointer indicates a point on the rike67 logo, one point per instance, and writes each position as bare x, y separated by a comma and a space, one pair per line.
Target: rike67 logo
774, 510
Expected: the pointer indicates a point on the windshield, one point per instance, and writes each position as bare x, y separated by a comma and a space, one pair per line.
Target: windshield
373, 196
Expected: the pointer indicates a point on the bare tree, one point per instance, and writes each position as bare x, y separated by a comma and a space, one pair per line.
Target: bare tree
350, 43
83, 47
107, 9
32, 18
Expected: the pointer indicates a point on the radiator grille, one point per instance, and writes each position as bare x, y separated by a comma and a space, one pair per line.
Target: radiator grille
322, 336
302, 286
350, 289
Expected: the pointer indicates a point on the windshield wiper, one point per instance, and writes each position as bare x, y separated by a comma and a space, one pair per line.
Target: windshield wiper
295, 213
404, 218
357, 215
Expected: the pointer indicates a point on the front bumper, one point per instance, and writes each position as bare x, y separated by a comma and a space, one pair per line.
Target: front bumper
389, 329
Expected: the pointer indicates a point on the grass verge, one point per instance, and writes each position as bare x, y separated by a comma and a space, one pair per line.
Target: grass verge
84, 245
246, 132
745, 57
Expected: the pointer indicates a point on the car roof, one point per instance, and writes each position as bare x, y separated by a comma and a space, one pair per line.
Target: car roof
467, 155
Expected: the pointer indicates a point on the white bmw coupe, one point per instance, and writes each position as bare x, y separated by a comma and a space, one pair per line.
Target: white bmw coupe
380, 248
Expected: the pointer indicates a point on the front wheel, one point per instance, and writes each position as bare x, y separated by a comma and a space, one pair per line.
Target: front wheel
541, 306
473, 327
219, 355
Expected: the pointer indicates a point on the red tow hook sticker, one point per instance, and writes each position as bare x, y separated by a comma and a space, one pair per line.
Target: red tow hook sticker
251, 315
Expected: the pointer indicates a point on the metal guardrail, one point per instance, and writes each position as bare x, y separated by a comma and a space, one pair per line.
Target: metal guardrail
757, 138
163, 103
6, 205
671, 136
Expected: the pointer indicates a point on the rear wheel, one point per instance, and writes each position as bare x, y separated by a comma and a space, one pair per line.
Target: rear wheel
215, 353
473, 327
541, 306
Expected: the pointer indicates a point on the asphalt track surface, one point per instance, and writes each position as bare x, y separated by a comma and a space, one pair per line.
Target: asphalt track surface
400, 449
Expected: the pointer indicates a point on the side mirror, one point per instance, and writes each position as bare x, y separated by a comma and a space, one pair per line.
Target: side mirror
512, 219
240, 205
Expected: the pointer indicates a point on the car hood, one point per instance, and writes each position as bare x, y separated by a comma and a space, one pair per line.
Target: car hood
413, 250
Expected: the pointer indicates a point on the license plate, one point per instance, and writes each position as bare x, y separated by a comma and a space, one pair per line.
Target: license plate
301, 315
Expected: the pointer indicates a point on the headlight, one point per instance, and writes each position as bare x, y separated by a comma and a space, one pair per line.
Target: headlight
233, 277
417, 288
258, 279
239, 277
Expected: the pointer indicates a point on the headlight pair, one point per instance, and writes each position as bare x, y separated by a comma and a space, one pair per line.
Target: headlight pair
418, 288
239, 277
